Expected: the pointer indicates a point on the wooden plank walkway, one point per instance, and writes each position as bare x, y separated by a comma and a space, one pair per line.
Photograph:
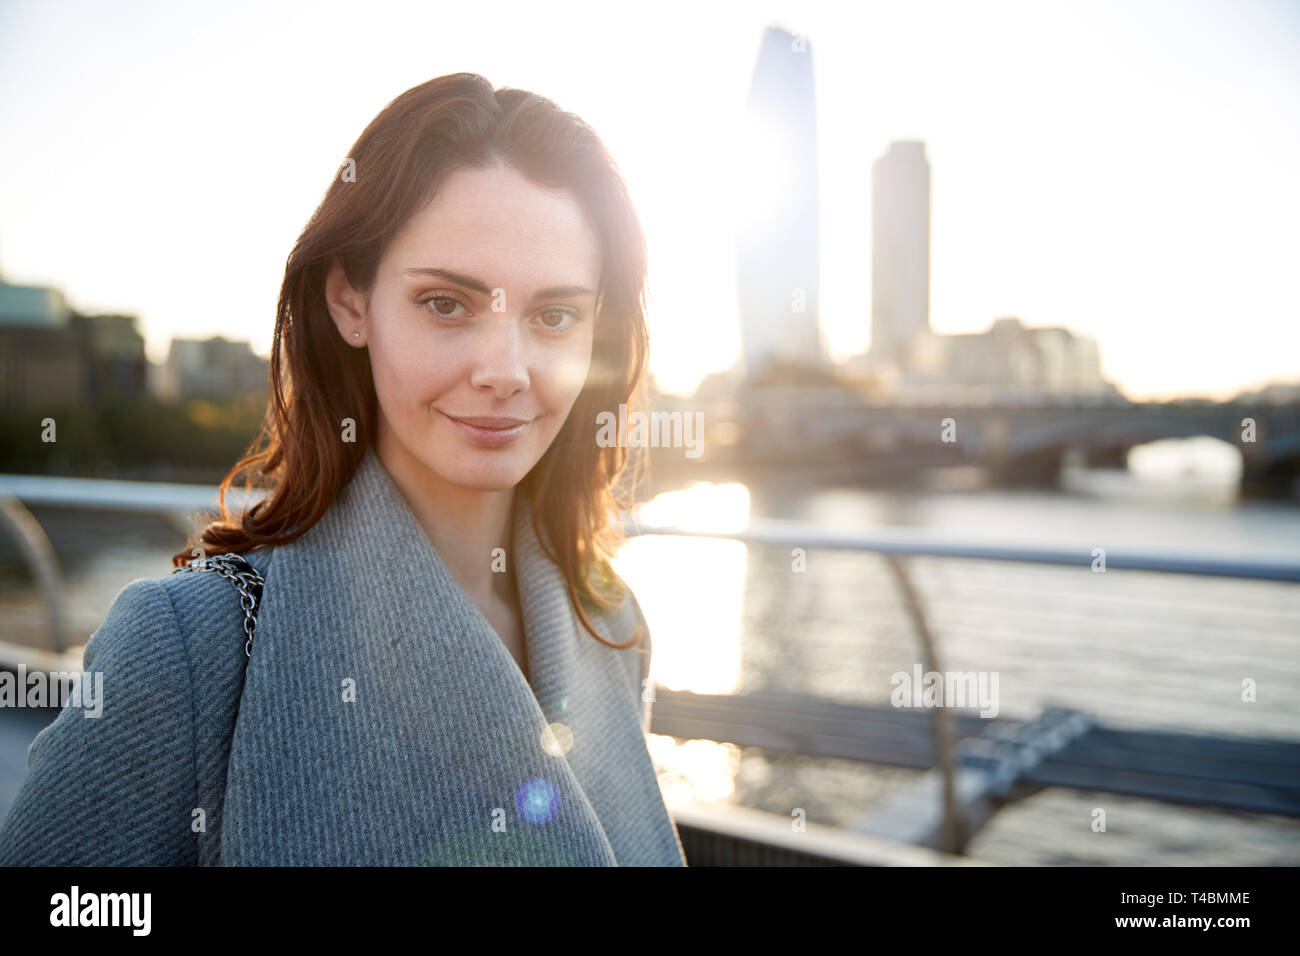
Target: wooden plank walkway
1231, 773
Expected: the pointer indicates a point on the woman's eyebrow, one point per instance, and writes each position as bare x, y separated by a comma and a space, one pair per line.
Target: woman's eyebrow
469, 282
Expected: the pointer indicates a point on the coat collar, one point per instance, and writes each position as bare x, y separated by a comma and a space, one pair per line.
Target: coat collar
384, 722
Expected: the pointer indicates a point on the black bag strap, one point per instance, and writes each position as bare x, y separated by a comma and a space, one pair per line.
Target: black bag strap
246, 579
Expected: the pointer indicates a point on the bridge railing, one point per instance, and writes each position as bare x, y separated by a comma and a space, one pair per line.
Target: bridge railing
909, 542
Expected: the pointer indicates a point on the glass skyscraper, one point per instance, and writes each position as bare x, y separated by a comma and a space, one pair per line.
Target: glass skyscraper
777, 228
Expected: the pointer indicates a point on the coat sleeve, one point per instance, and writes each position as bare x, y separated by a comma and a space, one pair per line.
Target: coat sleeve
117, 788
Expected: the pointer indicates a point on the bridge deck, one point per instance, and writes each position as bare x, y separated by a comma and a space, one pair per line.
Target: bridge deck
1231, 773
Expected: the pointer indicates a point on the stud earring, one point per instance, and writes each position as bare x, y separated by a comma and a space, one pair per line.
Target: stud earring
356, 335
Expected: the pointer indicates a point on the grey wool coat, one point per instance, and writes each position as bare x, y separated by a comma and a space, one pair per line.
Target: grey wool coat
381, 720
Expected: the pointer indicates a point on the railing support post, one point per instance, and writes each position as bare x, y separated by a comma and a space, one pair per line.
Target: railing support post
954, 839
39, 554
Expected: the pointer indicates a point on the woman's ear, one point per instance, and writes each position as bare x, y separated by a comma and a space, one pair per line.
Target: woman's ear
347, 306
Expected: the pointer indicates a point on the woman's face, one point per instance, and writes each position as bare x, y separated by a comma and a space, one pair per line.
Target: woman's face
482, 308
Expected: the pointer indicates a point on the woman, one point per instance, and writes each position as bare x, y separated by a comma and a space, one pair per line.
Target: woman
444, 668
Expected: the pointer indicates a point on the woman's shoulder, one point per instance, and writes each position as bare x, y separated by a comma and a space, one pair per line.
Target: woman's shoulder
629, 621
622, 616
161, 675
196, 585
259, 558
628, 624
196, 614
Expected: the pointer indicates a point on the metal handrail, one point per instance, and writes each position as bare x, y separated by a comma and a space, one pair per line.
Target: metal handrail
113, 494
914, 542
154, 497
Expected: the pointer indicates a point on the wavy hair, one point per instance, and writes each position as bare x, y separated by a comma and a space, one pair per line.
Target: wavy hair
316, 380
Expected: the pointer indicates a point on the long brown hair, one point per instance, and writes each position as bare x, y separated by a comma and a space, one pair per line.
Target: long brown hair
317, 380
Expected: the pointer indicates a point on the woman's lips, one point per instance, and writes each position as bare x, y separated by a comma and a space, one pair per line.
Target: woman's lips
491, 432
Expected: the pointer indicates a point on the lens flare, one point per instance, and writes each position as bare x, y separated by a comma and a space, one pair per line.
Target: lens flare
538, 801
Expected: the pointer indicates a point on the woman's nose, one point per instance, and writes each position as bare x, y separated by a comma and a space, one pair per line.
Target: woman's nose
501, 362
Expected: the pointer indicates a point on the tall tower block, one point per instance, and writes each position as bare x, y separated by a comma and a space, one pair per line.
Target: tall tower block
900, 248
777, 241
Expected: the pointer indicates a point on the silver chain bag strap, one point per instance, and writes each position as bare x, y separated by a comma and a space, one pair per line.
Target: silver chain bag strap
246, 579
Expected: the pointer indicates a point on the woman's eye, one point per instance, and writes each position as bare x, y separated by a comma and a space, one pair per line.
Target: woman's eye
553, 320
442, 305
561, 315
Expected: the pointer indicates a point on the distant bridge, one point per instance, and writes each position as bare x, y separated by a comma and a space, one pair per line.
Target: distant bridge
1020, 444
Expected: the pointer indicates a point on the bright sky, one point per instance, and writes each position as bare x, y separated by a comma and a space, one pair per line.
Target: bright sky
1128, 169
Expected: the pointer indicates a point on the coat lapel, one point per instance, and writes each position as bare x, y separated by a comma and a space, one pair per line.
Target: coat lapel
383, 722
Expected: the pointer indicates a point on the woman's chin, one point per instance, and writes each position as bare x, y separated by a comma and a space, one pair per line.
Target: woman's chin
496, 478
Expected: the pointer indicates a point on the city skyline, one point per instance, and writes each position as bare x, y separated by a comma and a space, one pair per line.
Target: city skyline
1119, 170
